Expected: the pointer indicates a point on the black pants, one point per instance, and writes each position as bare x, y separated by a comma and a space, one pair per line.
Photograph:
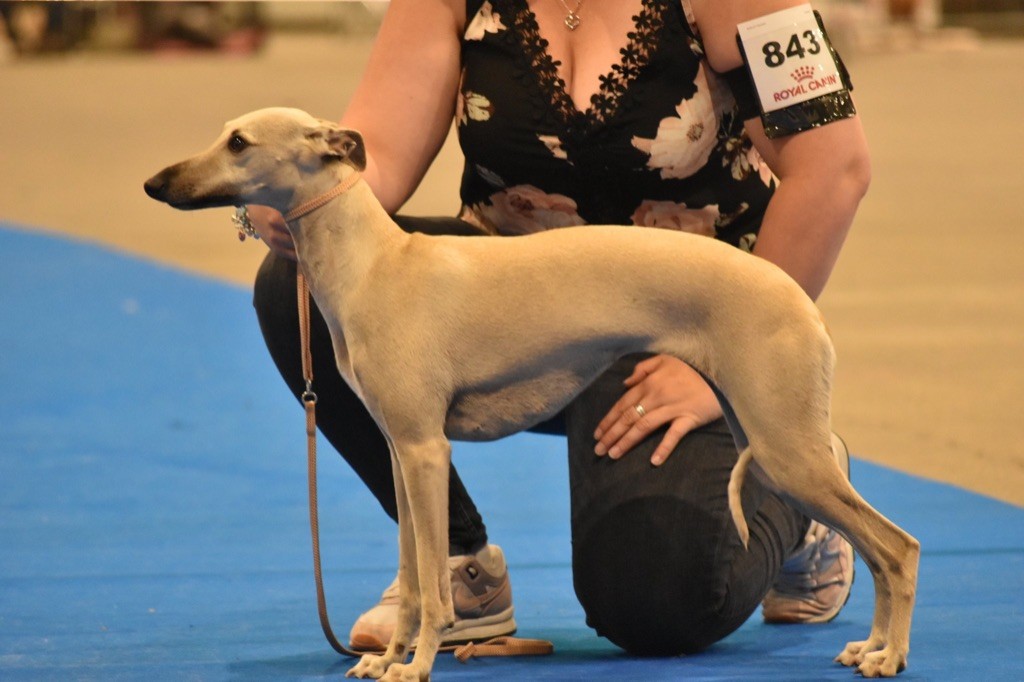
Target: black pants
657, 564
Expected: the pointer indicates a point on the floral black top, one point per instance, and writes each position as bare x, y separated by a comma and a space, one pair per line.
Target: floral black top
661, 144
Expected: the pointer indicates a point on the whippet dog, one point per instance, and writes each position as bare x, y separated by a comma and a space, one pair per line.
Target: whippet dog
475, 338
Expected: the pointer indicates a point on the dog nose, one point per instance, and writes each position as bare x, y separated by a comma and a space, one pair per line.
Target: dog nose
155, 186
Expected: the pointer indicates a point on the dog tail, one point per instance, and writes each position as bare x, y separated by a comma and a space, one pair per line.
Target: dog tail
739, 473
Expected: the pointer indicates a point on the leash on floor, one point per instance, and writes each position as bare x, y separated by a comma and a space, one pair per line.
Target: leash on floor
497, 646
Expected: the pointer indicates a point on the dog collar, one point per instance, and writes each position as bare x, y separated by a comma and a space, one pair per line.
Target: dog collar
322, 200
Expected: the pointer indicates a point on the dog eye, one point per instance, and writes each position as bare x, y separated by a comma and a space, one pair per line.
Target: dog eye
237, 143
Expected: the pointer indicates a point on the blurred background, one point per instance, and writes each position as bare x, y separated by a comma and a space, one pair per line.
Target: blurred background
37, 27
926, 305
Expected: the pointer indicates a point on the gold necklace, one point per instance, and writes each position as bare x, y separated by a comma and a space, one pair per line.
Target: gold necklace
572, 19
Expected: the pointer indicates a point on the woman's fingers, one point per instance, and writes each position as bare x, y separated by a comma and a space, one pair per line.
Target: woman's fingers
270, 226
624, 418
661, 390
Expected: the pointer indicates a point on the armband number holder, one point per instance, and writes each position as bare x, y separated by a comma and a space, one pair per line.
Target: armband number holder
798, 77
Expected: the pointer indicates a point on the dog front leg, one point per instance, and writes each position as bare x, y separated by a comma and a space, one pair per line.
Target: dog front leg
372, 665
425, 466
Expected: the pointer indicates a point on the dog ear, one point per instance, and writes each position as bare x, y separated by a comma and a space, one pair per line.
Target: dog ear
340, 144
348, 144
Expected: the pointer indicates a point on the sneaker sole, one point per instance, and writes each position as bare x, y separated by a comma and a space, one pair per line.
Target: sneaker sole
469, 630
826, 617
479, 629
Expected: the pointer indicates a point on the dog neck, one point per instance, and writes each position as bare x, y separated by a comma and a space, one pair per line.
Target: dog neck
323, 199
339, 236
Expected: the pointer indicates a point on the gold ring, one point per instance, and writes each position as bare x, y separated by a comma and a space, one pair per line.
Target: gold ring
640, 409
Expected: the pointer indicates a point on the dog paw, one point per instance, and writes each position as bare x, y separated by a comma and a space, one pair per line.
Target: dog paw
849, 655
369, 666
884, 663
855, 652
401, 672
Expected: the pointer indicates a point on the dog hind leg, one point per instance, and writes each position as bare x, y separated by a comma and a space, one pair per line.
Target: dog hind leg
822, 491
786, 418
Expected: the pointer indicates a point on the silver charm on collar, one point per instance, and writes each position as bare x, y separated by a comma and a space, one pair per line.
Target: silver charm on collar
243, 224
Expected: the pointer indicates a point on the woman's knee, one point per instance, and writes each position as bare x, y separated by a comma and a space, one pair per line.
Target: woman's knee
648, 585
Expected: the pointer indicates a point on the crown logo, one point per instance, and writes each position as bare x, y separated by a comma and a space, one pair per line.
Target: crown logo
804, 73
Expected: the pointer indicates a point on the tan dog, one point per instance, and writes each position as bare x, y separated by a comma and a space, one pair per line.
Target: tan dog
475, 338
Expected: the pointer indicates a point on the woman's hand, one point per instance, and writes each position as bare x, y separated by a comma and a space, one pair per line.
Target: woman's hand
669, 392
270, 226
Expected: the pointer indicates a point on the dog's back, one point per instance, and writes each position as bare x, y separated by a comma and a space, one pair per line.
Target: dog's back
527, 322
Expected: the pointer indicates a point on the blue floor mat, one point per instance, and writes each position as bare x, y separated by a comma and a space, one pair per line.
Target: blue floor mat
153, 522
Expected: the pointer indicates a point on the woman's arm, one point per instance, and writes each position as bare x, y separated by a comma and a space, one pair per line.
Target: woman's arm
405, 102
403, 105
823, 172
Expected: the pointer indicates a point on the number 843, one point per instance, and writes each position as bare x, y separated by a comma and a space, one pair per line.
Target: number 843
774, 56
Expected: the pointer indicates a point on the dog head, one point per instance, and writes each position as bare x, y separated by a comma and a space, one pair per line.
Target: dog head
270, 157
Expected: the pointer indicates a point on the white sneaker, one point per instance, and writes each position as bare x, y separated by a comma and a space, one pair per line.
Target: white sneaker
482, 595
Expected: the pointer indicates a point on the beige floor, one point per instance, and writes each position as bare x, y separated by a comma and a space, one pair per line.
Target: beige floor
926, 306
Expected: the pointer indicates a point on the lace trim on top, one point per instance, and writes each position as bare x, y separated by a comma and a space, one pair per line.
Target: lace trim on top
691, 20
606, 102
